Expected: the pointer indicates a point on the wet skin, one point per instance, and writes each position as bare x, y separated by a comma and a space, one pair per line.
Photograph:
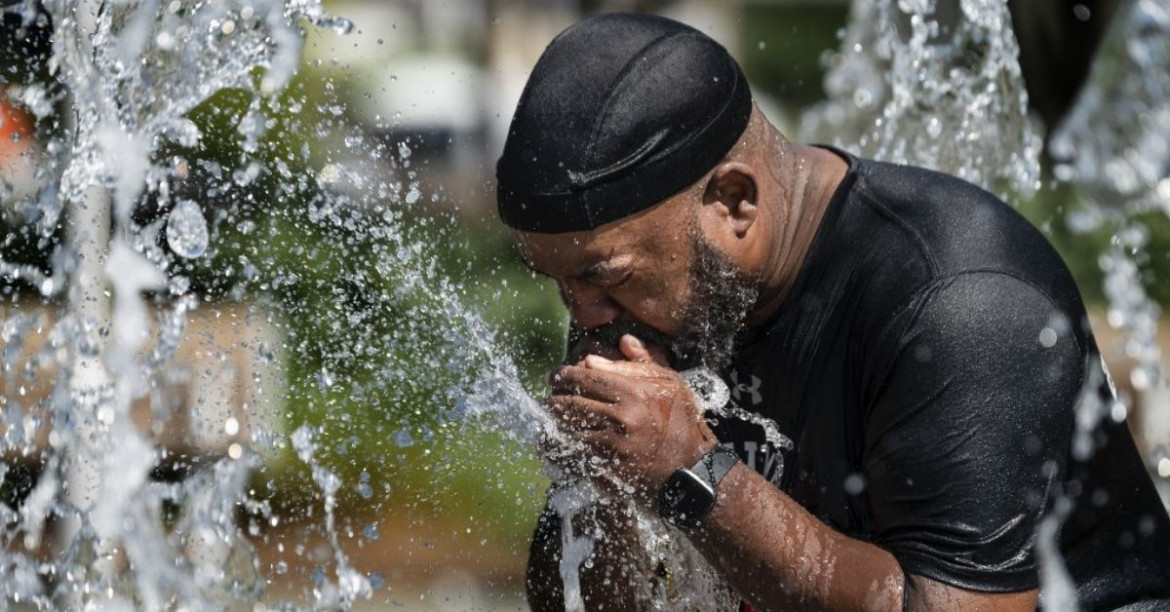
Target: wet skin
760, 208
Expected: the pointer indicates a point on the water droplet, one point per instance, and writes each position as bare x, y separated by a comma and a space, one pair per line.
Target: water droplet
862, 98
1140, 378
934, 127
1164, 467
414, 194
324, 379
187, 230
854, 484
339, 25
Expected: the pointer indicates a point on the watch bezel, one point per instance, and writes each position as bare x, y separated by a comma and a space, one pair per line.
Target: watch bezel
686, 498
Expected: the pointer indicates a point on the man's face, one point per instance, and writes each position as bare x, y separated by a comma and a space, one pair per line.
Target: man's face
653, 275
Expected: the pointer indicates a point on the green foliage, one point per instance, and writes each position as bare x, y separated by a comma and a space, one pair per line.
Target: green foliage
1050, 210
783, 45
371, 297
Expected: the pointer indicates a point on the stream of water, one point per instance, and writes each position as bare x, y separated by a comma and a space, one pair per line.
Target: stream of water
99, 323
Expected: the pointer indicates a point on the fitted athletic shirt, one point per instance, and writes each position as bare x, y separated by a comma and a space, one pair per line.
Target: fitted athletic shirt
924, 375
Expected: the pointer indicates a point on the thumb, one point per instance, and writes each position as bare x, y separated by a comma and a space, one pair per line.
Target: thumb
632, 369
633, 349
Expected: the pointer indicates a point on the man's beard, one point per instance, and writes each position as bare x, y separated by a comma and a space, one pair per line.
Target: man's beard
713, 315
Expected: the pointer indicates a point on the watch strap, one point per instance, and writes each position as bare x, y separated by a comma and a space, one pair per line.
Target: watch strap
717, 462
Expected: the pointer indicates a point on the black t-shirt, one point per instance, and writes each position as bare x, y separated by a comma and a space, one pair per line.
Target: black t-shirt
925, 374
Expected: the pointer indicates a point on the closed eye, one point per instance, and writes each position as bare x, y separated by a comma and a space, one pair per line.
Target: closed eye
620, 281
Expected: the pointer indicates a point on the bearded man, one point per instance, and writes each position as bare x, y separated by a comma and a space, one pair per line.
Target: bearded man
920, 347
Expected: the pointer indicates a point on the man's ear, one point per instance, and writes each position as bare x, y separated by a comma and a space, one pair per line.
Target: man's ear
732, 192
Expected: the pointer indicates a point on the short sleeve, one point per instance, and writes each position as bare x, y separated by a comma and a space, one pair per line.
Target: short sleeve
968, 432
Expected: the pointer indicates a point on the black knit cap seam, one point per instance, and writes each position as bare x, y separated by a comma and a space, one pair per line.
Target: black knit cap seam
618, 81
696, 133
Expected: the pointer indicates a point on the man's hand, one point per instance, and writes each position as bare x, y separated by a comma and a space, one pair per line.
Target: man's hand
637, 416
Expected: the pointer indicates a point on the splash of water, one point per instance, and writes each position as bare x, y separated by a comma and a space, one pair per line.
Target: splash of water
1115, 142
937, 84
932, 83
1115, 145
187, 230
114, 548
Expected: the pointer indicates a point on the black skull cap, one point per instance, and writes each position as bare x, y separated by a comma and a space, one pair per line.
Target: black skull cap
621, 112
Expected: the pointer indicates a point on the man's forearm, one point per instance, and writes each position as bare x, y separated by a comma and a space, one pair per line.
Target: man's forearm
614, 574
778, 556
543, 581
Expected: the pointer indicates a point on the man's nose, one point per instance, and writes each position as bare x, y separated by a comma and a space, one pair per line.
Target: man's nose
590, 307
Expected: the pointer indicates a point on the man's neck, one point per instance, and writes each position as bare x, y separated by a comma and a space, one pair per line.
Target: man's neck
806, 179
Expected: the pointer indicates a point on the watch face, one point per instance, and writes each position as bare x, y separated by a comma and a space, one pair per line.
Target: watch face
686, 499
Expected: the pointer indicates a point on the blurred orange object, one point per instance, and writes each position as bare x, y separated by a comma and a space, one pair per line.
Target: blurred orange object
15, 132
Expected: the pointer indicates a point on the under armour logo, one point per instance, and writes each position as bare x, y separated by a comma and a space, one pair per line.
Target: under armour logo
738, 388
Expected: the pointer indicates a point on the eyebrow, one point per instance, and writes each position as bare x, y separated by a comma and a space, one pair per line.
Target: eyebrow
588, 273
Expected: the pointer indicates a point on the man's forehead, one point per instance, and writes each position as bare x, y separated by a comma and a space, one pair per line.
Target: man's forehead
571, 254
647, 232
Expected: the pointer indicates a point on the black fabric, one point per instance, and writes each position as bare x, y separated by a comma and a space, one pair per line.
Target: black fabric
621, 112
925, 372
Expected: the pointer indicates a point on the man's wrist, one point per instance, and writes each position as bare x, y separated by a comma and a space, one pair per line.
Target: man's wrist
689, 494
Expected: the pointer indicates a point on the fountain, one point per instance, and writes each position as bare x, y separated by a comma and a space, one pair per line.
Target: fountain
135, 200
937, 84
186, 177
1113, 145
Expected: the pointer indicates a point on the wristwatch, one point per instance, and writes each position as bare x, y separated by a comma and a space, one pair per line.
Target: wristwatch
688, 495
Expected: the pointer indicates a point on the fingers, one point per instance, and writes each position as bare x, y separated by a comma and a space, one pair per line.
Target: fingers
591, 346
632, 369
634, 349
581, 414
590, 383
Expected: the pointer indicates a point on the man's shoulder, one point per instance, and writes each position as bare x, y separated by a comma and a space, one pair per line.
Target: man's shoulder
959, 228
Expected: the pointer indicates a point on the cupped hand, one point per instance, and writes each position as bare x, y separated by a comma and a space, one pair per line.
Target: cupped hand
636, 417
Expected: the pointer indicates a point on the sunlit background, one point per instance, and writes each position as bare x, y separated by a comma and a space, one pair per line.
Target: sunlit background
436, 512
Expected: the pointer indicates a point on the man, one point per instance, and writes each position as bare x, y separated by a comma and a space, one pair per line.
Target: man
919, 346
